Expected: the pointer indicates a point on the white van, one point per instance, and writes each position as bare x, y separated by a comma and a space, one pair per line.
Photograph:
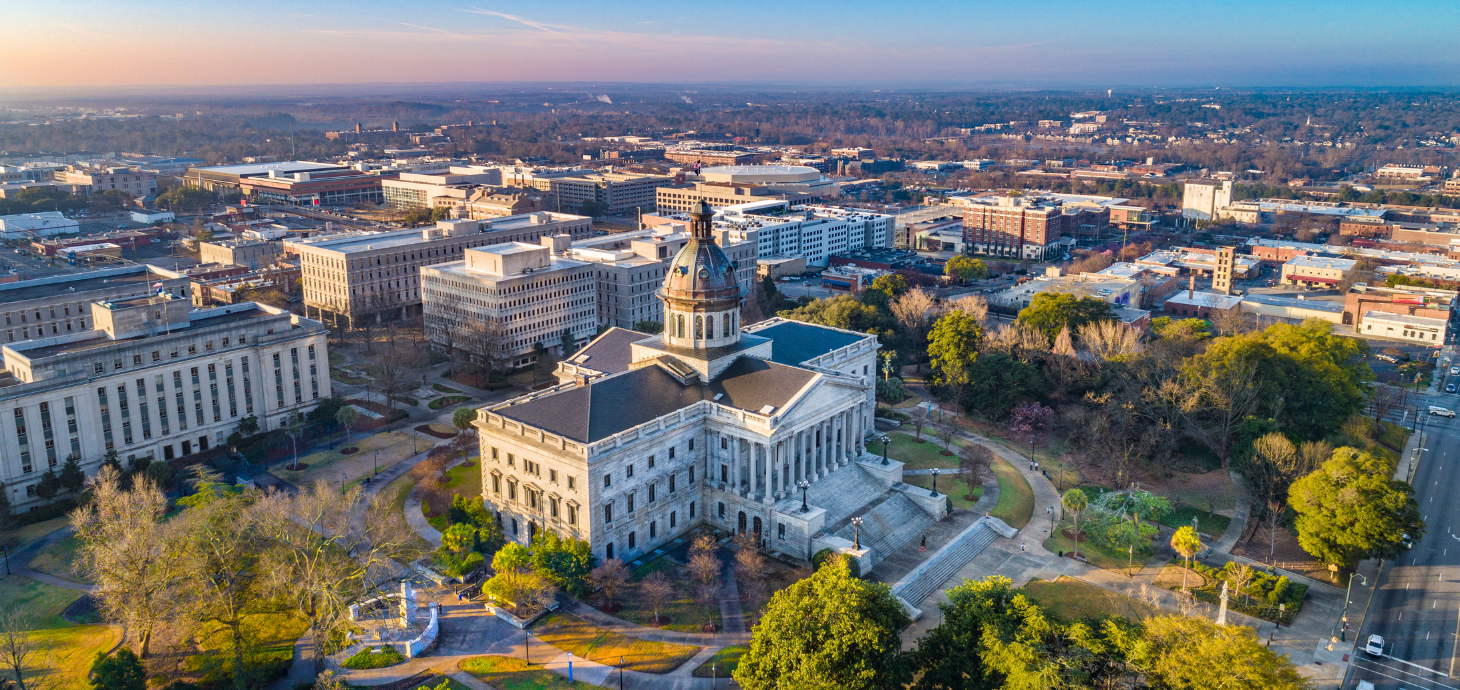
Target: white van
1364, 685
1441, 411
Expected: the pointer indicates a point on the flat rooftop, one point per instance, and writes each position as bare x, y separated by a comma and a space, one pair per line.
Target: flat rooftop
82, 282
101, 341
245, 169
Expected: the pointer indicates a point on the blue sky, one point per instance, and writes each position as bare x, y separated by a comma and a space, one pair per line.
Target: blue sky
1091, 43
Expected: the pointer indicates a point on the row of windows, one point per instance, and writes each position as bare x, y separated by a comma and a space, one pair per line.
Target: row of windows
654, 529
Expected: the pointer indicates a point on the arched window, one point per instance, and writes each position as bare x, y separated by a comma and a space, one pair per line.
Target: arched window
679, 323
699, 327
710, 326
726, 324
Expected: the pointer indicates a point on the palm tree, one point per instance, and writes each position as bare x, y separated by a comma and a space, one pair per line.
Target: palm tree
1187, 543
1076, 502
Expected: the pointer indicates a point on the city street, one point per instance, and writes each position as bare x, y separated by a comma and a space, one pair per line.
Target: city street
1417, 606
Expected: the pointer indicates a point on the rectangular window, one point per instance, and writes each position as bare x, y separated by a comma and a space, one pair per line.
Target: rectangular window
572, 514
691, 509
651, 463
496, 484
671, 483
247, 389
691, 474
671, 452
631, 539
608, 513
781, 530
691, 444
23, 440
722, 510
651, 492
630, 473
570, 481
553, 476
630, 506
672, 516
106, 417
607, 480
608, 551
653, 529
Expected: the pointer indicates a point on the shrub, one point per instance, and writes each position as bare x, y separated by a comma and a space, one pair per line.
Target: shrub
825, 556
368, 658
457, 564
891, 391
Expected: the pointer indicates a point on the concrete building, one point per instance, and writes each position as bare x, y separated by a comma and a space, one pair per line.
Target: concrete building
90, 254
781, 178
706, 158
629, 267
152, 379
1191, 304
1316, 271
134, 181
235, 289
1415, 329
618, 192
1199, 261
377, 274
147, 216
41, 224
1201, 199
520, 294
678, 198
59, 305
229, 179
250, 253
774, 267
1291, 308
340, 186
411, 191
1402, 302
1226, 267
704, 425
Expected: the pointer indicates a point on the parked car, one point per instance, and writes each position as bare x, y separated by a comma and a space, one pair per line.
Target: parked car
1386, 358
1375, 646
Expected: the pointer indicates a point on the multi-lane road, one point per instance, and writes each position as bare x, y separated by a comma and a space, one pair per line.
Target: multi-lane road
1416, 608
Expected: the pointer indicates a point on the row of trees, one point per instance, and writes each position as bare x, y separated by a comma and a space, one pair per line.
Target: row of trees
834, 630
230, 553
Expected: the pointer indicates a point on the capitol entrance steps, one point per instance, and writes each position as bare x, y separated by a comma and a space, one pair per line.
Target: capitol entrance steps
845, 492
889, 524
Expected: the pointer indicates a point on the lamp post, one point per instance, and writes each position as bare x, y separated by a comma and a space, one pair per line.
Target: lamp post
803, 485
620, 673
1130, 561
935, 481
886, 441
1348, 599
527, 646
857, 534
377, 464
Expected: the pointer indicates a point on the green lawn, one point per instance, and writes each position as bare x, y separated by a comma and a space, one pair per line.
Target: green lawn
683, 613
447, 401
1016, 499
1207, 523
951, 484
914, 455
464, 479
22, 536
1070, 599
58, 558
1394, 435
435, 682
722, 664
330, 465
398, 490
273, 632
71, 647
1098, 556
573, 634
444, 389
507, 673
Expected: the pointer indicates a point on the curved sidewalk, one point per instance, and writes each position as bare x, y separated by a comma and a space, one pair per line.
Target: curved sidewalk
644, 632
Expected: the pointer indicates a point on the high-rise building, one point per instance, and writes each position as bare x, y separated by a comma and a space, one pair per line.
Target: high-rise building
1016, 227
1225, 268
509, 297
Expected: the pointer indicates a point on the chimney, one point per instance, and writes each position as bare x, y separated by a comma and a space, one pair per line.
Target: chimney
581, 380
1191, 288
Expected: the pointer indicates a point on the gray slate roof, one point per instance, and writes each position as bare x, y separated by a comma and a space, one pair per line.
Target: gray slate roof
796, 342
610, 352
614, 403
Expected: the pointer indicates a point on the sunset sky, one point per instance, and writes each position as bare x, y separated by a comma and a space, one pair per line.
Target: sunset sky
80, 43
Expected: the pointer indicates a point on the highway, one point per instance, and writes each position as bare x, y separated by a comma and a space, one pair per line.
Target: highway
1417, 606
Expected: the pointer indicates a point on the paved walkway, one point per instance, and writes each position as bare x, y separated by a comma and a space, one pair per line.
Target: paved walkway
417, 519
643, 632
1228, 539
19, 560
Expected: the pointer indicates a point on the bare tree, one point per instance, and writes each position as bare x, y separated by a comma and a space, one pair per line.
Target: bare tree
707, 595
1106, 340
610, 576
1221, 403
329, 548
974, 460
976, 306
397, 371
916, 311
1313, 454
1020, 341
704, 567
1229, 321
918, 416
657, 588
1273, 467
22, 652
1384, 399
132, 555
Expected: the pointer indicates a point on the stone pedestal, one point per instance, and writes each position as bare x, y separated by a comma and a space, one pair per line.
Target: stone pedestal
407, 605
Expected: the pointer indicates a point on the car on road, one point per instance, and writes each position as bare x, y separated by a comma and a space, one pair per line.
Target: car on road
1443, 412
1374, 646
1455, 371
1449, 388
1387, 358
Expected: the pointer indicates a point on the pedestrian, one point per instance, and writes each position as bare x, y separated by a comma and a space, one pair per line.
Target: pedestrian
1023, 547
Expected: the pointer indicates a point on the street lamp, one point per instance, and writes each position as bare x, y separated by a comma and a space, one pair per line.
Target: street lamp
377, 463
857, 534
803, 485
935, 481
620, 673
886, 441
1347, 599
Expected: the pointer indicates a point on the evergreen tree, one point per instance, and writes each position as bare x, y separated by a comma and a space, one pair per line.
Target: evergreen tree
71, 477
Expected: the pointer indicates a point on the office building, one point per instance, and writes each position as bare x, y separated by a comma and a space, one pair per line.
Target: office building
1316, 271
1200, 199
42, 223
679, 198
617, 192
152, 379
707, 424
295, 183
250, 253
629, 267
60, 305
134, 181
518, 294
706, 158
1024, 227
378, 274
412, 191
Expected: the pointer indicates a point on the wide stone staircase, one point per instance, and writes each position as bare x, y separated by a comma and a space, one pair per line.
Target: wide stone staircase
888, 525
844, 493
923, 580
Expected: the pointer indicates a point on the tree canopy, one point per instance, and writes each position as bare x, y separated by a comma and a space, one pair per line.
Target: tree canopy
830, 630
1050, 312
1350, 509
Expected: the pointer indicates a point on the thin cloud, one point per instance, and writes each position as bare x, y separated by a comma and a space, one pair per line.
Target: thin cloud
540, 26
430, 28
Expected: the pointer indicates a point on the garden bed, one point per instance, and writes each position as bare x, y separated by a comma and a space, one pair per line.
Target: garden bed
1071, 600
514, 674
951, 484
448, 401
444, 389
680, 613
430, 430
1262, 597
349, 451
369, 657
